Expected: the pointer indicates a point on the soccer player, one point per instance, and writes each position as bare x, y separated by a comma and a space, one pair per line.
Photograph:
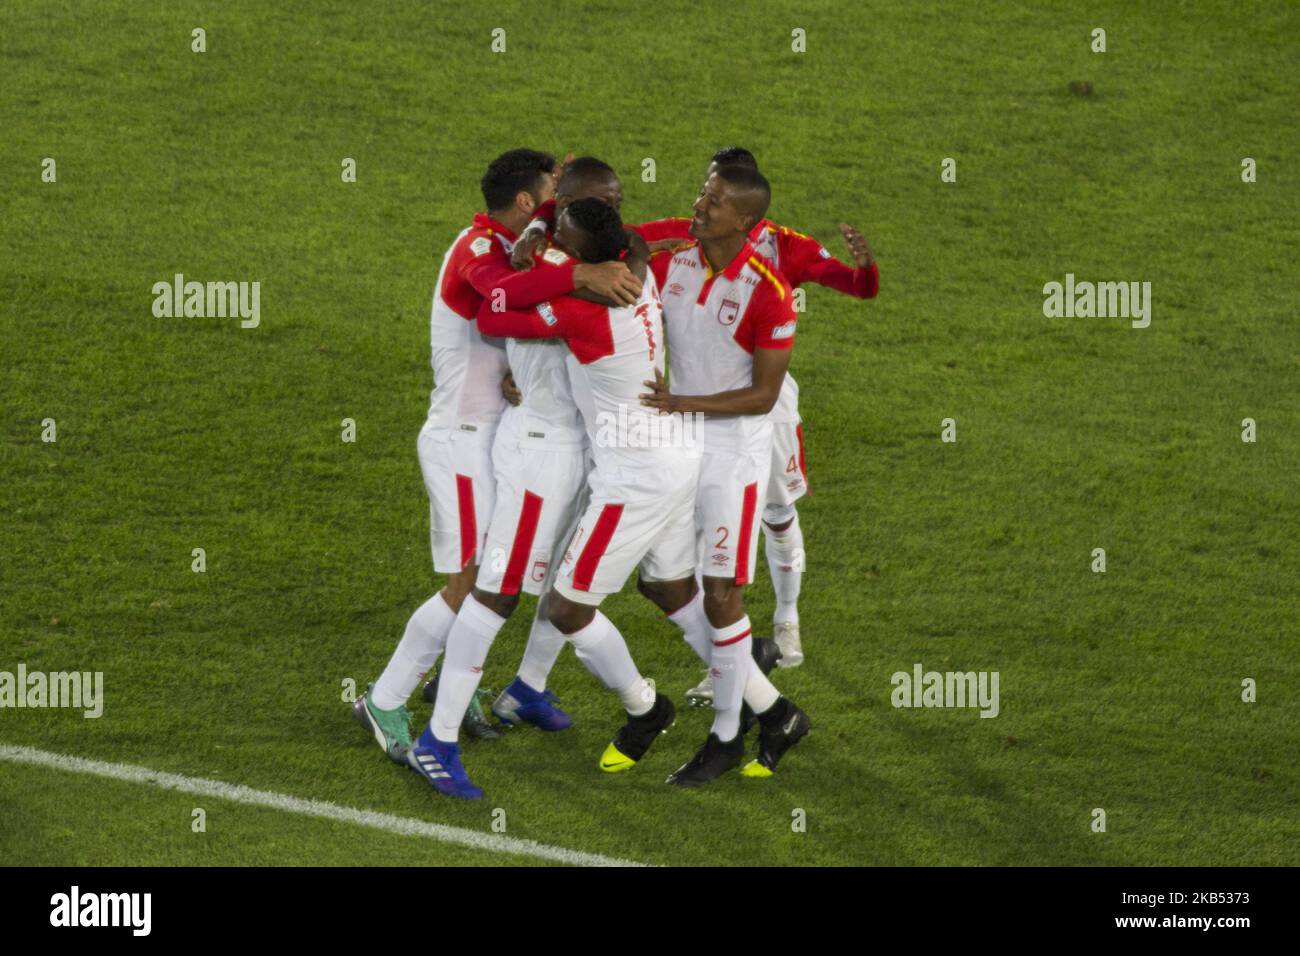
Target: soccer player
640, 510
455, 443
730, 324
800, 259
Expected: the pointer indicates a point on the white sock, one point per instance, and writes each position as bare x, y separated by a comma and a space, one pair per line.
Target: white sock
418, 650
541, 653
471, 636
695, 626
638, 697
732, 652
760, 693
784, 558
603, 651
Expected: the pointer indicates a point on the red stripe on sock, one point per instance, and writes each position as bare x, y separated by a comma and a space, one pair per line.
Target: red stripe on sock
525, 531
732, 640
468, 523
747, 509
594, 550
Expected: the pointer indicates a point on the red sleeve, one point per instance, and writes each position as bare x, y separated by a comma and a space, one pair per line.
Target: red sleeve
663, 229
863, 283
536, 323
659, 264
772, 316
804, 259
583, 325
522, 289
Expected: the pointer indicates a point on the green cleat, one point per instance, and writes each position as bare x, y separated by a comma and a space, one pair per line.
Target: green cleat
390, 728
476, 723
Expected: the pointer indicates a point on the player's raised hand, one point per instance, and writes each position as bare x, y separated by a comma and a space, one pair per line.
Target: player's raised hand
510, 391
611, 279
560, 168
658, 397
521, 257
858, 246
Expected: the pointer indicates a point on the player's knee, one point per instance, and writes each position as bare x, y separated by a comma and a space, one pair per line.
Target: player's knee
668, 596
722, 601
458, 587
569, 616
503, 605
778, 517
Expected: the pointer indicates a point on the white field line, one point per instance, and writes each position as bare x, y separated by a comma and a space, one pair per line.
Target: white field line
405, 826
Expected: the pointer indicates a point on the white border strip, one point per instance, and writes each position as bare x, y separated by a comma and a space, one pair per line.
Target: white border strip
404, 826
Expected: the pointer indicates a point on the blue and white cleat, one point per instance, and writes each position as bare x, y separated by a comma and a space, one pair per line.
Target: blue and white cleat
520, 703
439, 763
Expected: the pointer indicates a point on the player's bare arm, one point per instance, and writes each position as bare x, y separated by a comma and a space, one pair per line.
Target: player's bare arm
770, 366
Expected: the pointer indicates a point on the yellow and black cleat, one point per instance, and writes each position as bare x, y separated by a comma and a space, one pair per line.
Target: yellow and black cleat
613, 760
635, 737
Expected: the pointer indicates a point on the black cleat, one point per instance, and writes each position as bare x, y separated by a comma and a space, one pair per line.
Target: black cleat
635, 737
766, 654
711, 761
780, 729
476, 723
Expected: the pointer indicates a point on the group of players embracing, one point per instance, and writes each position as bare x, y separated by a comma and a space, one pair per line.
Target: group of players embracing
549, 470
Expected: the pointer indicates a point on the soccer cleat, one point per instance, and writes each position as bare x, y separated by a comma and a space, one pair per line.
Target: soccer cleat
519, 703
701, 695
779, 729
635, 737
786, 635
439, 763
767, 654
710, 762
390, 728
476, 722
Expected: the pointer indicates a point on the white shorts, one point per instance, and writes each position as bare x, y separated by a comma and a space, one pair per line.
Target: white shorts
457, 468
636, 518
537, 491
788, 481
732, 489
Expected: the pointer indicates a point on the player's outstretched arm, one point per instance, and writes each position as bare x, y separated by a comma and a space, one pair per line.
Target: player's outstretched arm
809, 262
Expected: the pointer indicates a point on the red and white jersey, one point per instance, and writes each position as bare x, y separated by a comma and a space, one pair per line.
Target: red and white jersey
616, 350
714, 323
467, 367
548, 412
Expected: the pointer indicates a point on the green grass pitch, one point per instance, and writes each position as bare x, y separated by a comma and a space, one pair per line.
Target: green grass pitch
1119, 690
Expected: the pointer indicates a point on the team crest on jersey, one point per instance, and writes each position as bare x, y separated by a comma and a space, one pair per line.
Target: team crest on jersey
480, 245
728, 311
539, 570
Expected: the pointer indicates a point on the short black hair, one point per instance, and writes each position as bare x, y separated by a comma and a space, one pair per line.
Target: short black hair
753, 183
735, 156
580, 170
514, 171
604, 228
